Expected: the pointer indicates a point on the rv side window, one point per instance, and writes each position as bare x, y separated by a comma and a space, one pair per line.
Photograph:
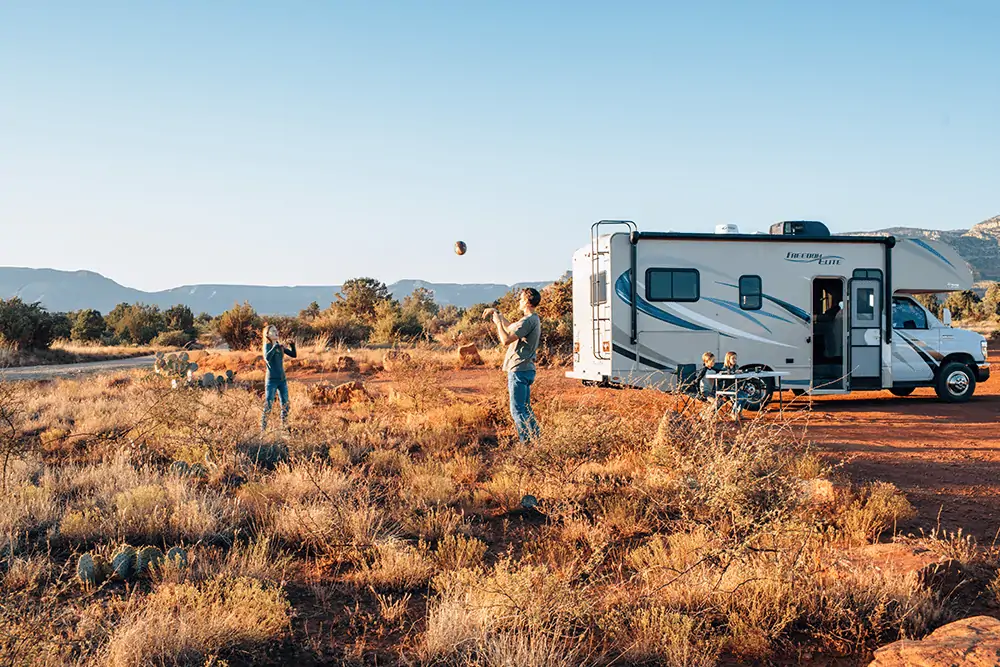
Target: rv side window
907, 315
599, 289
871, 274
672, 285
750, 293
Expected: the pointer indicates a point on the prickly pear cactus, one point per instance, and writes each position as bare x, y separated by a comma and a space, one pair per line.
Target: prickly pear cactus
89, 571
123, 564
148, 559
180, 468
175, 367
177, 557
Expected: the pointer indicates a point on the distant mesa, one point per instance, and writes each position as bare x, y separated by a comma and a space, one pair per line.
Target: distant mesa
61, 291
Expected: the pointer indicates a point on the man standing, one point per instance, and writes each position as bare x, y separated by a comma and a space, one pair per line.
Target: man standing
521, 339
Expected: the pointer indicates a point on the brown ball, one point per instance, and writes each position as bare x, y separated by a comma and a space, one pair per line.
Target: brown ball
460, 247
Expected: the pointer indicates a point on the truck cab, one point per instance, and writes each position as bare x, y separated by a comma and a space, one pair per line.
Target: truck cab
927, 352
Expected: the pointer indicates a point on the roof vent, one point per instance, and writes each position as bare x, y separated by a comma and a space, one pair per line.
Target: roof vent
727, 229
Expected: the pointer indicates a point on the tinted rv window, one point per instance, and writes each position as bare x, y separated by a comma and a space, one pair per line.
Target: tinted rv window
599, 289
873, 274
672, 285
750, 293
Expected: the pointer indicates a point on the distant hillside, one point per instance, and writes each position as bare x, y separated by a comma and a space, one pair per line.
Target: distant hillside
979, 246
61, 291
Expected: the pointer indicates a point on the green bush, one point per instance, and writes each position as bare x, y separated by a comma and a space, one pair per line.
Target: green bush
240, 327
172, 339
27, 326
88, 326
136, 323
340, 328
392, 324
964, 305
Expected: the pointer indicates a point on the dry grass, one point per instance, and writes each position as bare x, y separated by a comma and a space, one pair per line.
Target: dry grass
392, 531
69, 352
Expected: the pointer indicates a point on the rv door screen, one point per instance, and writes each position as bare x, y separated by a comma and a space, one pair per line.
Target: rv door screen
866, 333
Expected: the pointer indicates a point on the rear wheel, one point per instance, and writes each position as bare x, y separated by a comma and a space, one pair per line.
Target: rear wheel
901, 391
955, 383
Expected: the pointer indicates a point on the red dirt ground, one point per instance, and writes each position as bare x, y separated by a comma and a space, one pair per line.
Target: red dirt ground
944, 457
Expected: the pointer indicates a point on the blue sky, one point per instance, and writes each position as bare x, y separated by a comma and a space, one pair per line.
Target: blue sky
306, 143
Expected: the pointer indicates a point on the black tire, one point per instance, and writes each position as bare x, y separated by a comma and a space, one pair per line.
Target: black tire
901, 391
955, 383
759, 391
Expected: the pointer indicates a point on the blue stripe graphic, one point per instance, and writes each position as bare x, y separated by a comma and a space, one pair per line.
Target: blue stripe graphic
794, 310
623, 288
926, 246
735, 307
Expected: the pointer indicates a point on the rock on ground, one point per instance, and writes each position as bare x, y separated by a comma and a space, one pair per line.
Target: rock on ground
971, 642
468, 355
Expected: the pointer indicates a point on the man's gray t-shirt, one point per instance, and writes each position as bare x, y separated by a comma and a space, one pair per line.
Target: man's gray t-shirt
521, 353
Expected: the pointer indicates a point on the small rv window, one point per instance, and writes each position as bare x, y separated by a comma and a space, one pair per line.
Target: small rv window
599, 289
672, 285
750, 293
866, 304
871, 274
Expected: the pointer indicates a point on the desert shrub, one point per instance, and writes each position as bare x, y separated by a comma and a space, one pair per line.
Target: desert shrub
183, 623
179, 318
135, 323
240, 327
340, 328
931, 302
88, 325
172, 339
27, 326
393, 324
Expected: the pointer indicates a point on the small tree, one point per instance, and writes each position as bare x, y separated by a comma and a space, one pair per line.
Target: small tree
135, 323
26, 326
557, 299
179, 318
240, 327
88, 325
359, 297
964, 305
310, 313
991, 302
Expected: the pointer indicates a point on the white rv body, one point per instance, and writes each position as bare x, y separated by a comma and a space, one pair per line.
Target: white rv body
832, 312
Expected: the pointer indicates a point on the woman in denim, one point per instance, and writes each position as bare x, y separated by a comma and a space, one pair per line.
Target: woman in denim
521, 339
274, 379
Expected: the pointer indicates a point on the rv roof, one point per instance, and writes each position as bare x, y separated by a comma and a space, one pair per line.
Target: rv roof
757, 238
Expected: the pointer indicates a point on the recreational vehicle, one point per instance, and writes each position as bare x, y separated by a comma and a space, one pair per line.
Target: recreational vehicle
832, 314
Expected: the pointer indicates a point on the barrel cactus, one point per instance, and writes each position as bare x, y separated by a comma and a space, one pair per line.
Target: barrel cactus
148, 559
123, 565
177, 557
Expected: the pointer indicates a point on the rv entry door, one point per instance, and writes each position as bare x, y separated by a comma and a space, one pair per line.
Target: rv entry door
865, 363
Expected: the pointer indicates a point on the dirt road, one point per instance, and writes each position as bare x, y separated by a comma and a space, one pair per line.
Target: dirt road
74, 370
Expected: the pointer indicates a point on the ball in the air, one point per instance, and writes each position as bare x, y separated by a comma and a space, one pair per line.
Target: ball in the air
460, 247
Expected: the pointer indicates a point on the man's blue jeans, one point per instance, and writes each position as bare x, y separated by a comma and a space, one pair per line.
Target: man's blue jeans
519, 386
271, 388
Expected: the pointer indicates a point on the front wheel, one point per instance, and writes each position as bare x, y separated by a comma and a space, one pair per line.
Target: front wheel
955, 383
901, 391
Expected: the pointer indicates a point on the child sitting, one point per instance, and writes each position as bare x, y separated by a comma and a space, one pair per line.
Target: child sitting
708, 361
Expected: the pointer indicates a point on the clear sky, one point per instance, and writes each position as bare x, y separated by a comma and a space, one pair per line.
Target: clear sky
306, 143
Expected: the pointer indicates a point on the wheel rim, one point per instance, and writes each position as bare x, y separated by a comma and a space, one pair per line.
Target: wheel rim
957, 383
755, 390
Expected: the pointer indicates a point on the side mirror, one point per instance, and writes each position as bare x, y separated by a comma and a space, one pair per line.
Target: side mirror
946, 317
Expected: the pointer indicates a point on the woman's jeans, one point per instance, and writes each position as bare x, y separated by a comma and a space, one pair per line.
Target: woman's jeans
519, 386
281, 388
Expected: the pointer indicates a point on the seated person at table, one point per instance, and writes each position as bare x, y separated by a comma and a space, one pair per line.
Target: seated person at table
708, 361
731, 365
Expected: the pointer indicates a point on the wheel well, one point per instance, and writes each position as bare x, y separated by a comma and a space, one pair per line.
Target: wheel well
960, 357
